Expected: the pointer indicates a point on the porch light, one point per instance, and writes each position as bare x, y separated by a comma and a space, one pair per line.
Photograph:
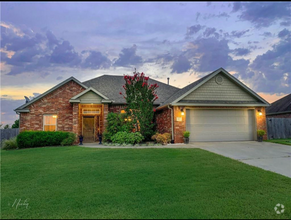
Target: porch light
260, 113
182, 111
122, 111
55, 116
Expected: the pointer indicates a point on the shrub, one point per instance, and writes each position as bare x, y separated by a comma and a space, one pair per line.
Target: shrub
186, 134
69, 140
116, 123
123, 137
162, 138
27, 139
261, 133
9, 144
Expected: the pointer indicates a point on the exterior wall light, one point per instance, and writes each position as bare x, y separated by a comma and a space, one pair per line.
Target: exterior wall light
55, 116
182, 111
260, 113
122, 111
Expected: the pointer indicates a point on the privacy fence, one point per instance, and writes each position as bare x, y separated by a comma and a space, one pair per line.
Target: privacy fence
8, 133
279, 128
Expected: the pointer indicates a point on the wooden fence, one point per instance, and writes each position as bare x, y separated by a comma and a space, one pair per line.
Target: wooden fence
8, 133
279, 128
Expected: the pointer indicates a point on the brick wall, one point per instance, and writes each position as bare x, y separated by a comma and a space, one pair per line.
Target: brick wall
279, 116
116, 108
262, 121
57, 103
163, 121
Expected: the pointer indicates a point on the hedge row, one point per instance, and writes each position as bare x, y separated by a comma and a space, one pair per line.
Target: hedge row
28, 139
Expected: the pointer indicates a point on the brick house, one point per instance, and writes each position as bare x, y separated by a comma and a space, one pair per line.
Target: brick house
217, 107
280, 109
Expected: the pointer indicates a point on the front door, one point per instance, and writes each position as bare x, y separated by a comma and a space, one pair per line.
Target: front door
88, 129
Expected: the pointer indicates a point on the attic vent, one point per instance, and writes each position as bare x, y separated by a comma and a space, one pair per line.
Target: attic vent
219, 80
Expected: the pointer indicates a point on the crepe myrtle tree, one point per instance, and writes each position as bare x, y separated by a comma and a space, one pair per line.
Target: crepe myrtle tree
140, 96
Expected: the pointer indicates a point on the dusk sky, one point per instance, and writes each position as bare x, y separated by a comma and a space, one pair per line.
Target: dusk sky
43, 44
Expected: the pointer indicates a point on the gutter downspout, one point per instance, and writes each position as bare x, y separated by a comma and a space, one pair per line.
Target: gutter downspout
172, 123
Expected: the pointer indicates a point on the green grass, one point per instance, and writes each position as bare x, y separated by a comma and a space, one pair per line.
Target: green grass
281, 141
75, 182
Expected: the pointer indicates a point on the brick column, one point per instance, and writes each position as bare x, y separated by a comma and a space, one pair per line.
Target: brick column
179, 126
104, 120
76, 118
261, 120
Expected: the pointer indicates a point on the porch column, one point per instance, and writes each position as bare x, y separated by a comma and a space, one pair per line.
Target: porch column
105, 113
76, 118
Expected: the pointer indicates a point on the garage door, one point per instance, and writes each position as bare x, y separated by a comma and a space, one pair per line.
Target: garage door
220, 125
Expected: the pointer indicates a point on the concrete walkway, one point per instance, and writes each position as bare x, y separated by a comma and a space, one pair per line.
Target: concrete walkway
268, 156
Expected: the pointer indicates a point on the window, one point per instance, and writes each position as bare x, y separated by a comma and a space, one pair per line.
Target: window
50, 122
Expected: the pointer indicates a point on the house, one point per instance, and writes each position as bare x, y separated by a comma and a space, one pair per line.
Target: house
217, 107
280, 109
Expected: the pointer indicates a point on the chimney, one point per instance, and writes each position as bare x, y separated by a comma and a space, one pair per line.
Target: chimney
168, 81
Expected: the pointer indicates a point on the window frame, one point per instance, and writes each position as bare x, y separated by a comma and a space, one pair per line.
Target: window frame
43, 121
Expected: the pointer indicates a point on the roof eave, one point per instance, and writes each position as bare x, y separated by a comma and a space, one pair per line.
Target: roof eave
221, 105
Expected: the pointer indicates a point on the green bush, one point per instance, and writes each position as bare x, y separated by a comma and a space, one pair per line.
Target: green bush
10, 144
69, 140
261, 133
186, 134
116, 123
124, 137
27, 139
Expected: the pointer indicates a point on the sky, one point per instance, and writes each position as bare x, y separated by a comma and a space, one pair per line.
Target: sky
44, 43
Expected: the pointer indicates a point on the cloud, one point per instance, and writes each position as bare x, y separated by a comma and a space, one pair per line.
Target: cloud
193, 30
267, 34
7, 106
241, 51
263, 14
284, 33
128, 57
239, 34
181, 64
31, 51
273, 69
59, 78
64, 53
285, 23
209, 31
96, 60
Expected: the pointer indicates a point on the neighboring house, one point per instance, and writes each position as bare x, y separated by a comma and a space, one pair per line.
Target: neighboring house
217, 107
280, 109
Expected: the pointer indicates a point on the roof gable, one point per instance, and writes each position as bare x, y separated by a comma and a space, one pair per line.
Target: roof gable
21, 108
176, 98
90, 95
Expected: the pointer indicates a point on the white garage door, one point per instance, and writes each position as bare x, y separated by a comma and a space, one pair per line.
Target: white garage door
220, 125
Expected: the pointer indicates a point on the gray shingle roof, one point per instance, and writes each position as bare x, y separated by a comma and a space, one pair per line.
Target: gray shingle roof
280, 106
110, 86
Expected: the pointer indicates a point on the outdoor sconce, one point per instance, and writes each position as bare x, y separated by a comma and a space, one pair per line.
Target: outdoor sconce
55, 116
122, 111
260, 113
182, 111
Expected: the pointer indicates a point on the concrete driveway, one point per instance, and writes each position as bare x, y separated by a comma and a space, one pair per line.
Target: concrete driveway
268, 156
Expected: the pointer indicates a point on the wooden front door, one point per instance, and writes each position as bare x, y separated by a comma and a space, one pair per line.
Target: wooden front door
88, 129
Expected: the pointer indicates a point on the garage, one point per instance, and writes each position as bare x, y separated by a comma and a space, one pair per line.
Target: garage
221, 124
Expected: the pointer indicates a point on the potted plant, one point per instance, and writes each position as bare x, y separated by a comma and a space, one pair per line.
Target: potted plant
186, 135
81, 139
260, 133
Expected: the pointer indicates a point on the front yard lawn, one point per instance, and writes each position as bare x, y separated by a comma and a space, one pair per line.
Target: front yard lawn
75, 182
281, 141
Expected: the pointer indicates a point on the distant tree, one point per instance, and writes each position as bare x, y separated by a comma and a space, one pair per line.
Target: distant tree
16, 124
6, 126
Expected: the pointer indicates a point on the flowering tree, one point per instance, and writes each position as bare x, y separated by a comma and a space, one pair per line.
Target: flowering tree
140, 96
